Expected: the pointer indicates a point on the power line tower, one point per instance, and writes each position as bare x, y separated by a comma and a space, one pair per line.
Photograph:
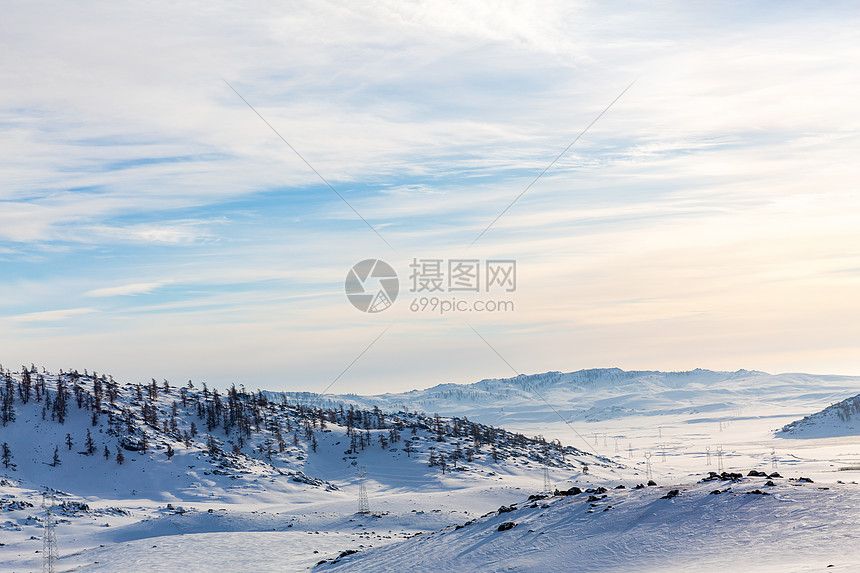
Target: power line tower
648, 473
708, 454
547, 486
49, 537
773, 463
719, 458
363, 505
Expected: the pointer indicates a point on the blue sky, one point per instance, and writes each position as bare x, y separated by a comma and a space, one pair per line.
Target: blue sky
151, 225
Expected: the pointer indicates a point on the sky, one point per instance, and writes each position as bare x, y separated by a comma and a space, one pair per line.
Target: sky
155, 225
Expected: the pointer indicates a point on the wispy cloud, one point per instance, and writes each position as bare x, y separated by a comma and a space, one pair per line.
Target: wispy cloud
125, 290
52, 315
717, 198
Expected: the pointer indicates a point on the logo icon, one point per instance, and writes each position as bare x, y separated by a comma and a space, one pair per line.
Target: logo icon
371, 285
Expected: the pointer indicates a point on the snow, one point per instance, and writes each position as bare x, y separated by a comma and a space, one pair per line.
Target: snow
797, 527
297, 509
839, 419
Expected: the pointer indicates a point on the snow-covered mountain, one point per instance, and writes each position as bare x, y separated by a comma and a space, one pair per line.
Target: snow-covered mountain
118, 453
732, 523
604, 394
159, 477
839, 419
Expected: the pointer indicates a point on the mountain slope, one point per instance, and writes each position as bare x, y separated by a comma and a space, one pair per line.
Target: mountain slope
603, 394
153, 459
788, 526
839, 419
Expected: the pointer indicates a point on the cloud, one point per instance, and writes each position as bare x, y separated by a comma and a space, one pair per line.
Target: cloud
52, 315
126, 290
717, 196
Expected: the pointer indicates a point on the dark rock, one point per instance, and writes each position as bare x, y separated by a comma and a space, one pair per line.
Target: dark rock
756, 473
131, 444
671, 494
769, 483
571, 491
622, 486
506, 526
716, 492
774, 475
805, 480
729, 476
757, 492
652, 482
506, 509
639, 486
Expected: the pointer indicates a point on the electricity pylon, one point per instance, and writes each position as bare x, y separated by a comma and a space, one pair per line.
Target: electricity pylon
49, 538
363, 505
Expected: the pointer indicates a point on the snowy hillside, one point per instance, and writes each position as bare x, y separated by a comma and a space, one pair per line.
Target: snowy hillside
116, 454
157, 476
839, 419
601, 394
731, 524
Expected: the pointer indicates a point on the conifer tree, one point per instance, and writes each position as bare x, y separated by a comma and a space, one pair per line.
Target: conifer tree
6, 456
90, 444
